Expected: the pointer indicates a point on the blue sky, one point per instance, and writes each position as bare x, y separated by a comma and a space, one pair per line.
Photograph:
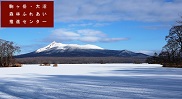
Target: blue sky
136, 25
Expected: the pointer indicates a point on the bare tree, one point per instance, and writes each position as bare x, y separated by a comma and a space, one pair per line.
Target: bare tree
7, 50
171, 49
174, 41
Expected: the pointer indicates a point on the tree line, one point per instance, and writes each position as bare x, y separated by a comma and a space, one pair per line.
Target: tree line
79, 60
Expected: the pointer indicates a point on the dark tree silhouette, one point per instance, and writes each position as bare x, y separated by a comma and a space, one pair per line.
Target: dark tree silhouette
172, 50
171, 53
174, 43
7, 50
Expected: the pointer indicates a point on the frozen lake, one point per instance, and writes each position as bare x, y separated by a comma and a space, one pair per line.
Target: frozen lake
91, 81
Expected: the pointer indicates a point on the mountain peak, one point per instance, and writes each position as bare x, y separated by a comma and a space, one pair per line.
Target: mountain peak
53, 42
126, 51
59, 46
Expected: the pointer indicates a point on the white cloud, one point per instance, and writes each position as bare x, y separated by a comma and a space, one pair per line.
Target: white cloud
100, 24
89, 32
63, 35
81, 25
89, 39
156, 27
65, 32
117, 10
85, 35
88, 24
113, 39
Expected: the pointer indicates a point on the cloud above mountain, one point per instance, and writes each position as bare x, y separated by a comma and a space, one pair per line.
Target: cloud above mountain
118, 10
84, 35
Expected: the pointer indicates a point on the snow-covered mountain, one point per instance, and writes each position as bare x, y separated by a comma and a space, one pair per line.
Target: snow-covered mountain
74, 50
59, 46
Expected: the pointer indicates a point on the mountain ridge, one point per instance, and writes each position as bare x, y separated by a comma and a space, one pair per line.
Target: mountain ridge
55, 49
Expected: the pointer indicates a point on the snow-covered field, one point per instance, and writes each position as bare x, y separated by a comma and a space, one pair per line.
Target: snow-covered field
93, 81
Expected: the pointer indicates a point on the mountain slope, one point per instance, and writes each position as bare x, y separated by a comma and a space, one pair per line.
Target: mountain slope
60, 46
73, 50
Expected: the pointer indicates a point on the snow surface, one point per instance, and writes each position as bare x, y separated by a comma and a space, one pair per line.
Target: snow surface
66, 46
91, 81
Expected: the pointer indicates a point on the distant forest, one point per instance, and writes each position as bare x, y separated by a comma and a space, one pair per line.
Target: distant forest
79, 60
